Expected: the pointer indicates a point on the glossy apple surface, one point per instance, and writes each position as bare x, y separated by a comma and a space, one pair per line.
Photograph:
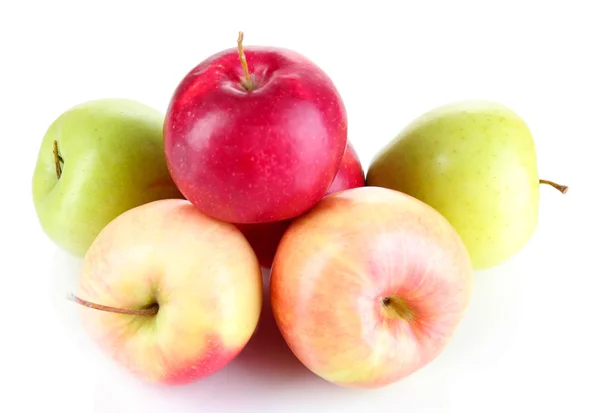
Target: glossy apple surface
201, 272
369, 286
265, 237
260, 155
475, 162
350, 173
111, 160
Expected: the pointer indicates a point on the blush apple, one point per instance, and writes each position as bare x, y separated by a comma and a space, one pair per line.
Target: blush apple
369, 286
255, 135
175, 295
264, 238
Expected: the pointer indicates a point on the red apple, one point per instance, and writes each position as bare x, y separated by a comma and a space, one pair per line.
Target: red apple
265, 237
255, 135
369, 286
188, 286
350, 173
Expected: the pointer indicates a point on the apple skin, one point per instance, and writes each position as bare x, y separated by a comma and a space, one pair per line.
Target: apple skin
350, 173
113, 161
475, 162
264, 155
265, 237
203, 274
338, 265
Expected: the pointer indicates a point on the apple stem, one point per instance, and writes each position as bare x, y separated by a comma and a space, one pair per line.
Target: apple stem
153, 310
561, 188
399, 308
57, 160
248, 81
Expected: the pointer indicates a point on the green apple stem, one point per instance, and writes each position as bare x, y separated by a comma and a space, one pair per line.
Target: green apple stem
57, 160
561, 188
247, 80
397, 308
153, 310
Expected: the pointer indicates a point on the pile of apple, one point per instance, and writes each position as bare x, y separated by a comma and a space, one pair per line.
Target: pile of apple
175, 215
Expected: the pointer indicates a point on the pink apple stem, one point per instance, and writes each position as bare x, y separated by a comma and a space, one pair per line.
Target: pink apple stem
153, 310
248, 80
57, 160
561, 188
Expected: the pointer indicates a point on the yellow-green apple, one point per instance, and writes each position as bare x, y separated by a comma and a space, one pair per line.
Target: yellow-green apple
97, 160
369, 286
169, 292
475, 162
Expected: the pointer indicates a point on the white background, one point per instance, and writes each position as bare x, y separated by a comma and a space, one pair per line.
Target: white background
530, 337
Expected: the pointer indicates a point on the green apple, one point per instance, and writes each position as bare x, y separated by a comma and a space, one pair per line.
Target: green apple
475, 162
96, 161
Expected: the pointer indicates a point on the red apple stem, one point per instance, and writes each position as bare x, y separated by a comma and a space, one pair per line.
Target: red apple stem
57, 160
248, 81
153, 310
561, 188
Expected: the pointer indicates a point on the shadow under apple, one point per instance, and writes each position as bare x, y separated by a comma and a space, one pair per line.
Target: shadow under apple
63, 276
267, 353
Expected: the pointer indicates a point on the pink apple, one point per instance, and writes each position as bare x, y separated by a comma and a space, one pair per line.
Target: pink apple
196, 278
265, 237
369, 286
256, 145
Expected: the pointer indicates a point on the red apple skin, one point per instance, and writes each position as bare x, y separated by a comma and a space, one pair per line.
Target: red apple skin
264, 155
338, 265
264, 238
350, 173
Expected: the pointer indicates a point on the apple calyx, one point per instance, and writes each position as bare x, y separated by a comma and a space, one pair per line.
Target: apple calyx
247, 82
152, 310
395, 308
57, 160
561, 188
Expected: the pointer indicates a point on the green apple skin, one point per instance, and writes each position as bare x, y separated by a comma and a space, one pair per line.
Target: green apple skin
475, 162
113, 157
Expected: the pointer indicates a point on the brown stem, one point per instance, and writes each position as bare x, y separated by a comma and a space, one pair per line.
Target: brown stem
248, 80
561, 188
147, 311
57, 160
398, 308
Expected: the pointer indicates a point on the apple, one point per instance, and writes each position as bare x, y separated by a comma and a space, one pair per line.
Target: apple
350, 173
255, 135
265, 237
369, 286
475, 162
170, 293
96, 161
